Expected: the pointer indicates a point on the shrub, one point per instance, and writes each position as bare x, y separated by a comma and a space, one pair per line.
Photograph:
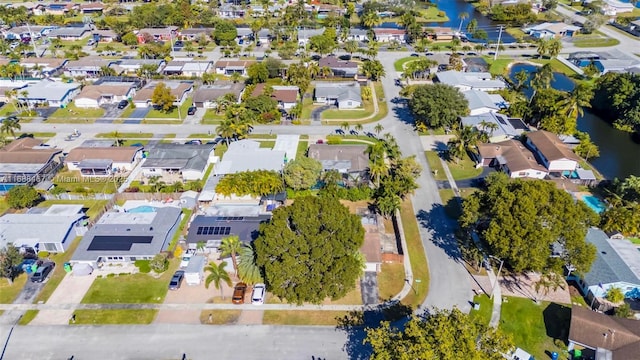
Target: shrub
334, 139
20, 197
132, 189
143, 266
111, 275
159, 263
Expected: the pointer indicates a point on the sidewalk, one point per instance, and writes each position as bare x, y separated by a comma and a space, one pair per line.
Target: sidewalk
69, 294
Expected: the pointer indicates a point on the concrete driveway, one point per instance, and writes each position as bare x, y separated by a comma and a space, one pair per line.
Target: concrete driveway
70, 291
369, 288
111, 112
26, 296
315, 113
137, 115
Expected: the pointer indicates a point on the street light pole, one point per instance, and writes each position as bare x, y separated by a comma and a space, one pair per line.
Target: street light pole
408, 281
496, 282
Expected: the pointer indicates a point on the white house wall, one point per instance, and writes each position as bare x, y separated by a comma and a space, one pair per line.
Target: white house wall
562, 165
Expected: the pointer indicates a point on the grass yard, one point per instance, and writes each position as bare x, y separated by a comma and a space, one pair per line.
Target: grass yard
127, 112
307, 106
72, 181
267, 144
4, 205
463, 169
302, 317
220, 317
173, 114
390, 280
73, 112
187, 215
451, 205
418, 259
400, 63
498, 66
129, 289
262, 136
383, 109
202, 135
220, 149
483, 315
594, 40
9, 292
39, 135
92, 207
634, 240
302, 149
556, 65
535, 326
436, 165
211, 118
114, 317
353, 297
131, 142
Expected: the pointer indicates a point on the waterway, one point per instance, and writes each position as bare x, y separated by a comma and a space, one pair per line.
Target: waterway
619, 153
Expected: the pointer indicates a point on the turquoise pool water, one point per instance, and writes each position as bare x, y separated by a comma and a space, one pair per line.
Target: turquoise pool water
594, 203
142, 209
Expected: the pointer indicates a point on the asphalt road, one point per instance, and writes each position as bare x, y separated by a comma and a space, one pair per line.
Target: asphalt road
160, 342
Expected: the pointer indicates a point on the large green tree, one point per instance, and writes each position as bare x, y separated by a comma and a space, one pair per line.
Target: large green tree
442, 335
302, 173
10, 258
258, 73
521, 219
617, 99
438, 105
255, 183
225, 32
20, 197
163, 97
310, 250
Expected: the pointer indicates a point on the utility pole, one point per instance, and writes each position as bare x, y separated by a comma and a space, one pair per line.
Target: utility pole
33, 42
495, 56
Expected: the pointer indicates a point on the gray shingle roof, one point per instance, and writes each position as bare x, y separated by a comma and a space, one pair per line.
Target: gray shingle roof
608, 267
339, 90
184, 157
245, 227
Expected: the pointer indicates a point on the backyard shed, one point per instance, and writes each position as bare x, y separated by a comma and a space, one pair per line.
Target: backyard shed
194, 273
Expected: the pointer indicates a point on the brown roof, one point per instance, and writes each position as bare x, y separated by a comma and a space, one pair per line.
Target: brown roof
116, 154
356, 154
50, 62
595, 330
284, 94
371, 246
177, 91
382, 31
22, 151
97, 91
335, 63
551, 146
227, 63
512, 153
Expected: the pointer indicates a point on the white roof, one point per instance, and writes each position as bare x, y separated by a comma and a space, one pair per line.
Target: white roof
30, 229
288, 144
246, 155
478, 80
479, 99
49, 90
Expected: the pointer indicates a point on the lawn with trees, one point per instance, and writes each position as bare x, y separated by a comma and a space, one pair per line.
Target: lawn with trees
623, 212
310, 250
437, 105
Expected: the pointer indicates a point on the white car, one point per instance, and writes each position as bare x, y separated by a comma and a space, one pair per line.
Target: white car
258, 294
186, 257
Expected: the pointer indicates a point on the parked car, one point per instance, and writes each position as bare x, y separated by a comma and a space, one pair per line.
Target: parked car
258, 294
42, 272
185, 259
192, 110
193, 142
176, 280
123, 104
91, 42
238, 293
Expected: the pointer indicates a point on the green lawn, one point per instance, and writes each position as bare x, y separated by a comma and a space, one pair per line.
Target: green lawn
382, 103
210, 117
498, 66
302, 149
390, 280
307, 107
131, 142
173, 114
71, 112
417, 257
220, 149
187, 215
463, 169
483, 315
4, 205
596, 39
530, 324
128, 289
127, 112
39, 135
436, 165
202, 135
267, 144
400, 63
7, 109
556, 65
9, 292
72, 181
349, 114
114, 317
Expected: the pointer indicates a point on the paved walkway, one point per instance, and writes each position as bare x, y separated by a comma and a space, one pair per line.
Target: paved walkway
68, 294
250, 317
192, 306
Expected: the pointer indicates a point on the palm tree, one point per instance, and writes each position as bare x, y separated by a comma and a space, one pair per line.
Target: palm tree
236, 77
351, 46
554, 47
226, 130
371, 19
231, 245
466, 137
326, 71
462, 16
378, 129
9, 127
541, 79
314, 70
201, 245
248, 271
217, 275
576, 100
345, 127
543, 47
358, 127
378, 169
189, 48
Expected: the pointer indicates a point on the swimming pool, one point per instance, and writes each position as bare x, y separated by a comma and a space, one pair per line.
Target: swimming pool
142, 209
594, 203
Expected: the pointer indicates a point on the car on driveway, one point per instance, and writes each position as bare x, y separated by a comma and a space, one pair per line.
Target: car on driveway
186, 257
176, 280
238, 293
191, 110
42, 272
258, 294
123, 104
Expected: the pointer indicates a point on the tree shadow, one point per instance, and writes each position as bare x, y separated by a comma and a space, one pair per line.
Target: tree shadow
402, 111
356, 323
557, 320
442, 229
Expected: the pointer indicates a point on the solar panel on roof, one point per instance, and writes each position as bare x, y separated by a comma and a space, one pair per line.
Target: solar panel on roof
501, 120
117, 243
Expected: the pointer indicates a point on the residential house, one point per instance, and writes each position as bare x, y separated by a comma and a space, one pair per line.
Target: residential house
168, 33
549, 30
614, 7
43, 67
371, 247
49, 93
247, 155
131, 66
212, 229
228, 11
339, 68
481, 102
263, 37
609, 61
187, 68
61, 8
438, 33
385, 35
124, 237
512, 158
22, 32
552, 152
358, 34
188, 161
70, 33
27, 161
97, 161
206, 96
498, 127
105, 36
87, 67
92, 8
350, 160
465, 81
244, 34
305, 34
614, 235
617, 264
8, 86
344, 95
33, 8
229, 67
605, 337
49, 229
94, 96
286, 96
194, 34
179, 89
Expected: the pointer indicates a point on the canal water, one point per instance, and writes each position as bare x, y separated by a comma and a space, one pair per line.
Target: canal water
619, 153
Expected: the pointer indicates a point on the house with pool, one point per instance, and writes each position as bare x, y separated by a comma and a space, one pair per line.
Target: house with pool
617, 264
